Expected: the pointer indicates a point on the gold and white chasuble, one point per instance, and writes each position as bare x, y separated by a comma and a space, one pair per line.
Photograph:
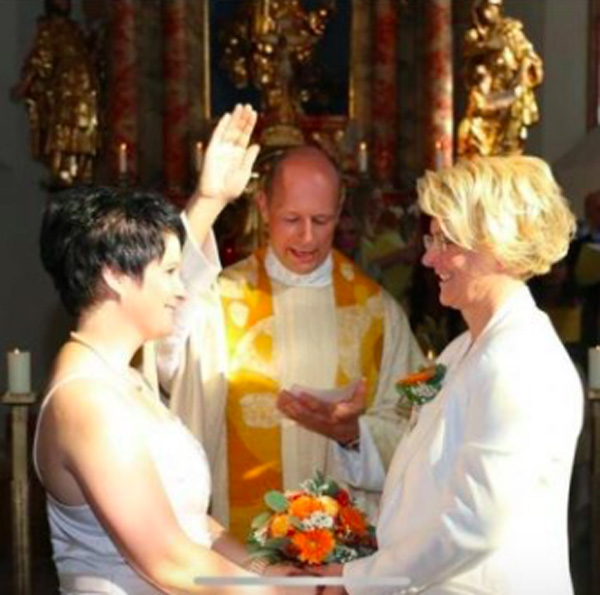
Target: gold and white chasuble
263, 358
258, 336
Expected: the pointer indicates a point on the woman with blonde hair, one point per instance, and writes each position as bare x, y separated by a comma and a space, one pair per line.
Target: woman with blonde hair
475, 500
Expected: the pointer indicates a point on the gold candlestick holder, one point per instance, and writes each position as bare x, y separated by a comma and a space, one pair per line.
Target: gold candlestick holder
21, 546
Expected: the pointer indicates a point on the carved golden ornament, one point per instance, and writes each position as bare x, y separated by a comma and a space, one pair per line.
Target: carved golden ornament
60, 89
501, 72
266, 46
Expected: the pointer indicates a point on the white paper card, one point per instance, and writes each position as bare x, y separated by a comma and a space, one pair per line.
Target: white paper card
328, 395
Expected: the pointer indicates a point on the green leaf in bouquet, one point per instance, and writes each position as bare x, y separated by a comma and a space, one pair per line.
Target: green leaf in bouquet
330, 488
253, 546
259, 521
276, 501
319, 485
276, 543
295, 522
271, 556
342, 554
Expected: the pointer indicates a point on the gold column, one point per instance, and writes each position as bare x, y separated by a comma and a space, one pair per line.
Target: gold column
21, 547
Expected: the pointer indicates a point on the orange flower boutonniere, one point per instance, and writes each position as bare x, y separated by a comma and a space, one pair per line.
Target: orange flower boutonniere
422, 386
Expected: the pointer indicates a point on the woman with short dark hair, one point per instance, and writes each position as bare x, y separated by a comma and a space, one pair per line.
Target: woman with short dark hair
128, 486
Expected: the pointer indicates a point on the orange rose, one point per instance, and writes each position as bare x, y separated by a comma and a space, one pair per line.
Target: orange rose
280, 525
353, 520
418, 377
304, 506
314, 545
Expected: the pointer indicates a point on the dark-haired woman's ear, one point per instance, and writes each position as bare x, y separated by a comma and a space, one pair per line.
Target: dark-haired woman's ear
114, 283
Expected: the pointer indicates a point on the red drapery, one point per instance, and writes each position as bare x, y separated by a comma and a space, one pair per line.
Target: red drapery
176, 120
122, 105
385, 90
439, 125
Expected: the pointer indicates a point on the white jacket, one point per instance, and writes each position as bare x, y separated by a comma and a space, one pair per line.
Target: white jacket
476, 496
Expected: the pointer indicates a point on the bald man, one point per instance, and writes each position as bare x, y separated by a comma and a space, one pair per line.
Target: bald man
294, 314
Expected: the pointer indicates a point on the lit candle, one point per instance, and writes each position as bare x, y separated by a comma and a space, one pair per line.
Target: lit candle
199, 157
19, 372
363, 158
123, 159
439, 155
594, 367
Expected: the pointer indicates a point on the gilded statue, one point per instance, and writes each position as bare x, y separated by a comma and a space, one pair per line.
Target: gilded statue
501, 72
60, 89
266, 46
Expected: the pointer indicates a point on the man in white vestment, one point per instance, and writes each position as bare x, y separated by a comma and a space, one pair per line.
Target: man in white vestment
245, 364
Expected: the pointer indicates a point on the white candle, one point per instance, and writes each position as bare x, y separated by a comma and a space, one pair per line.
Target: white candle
199, 157
594, 367
439, 155
363, 158
123, 159
19, 372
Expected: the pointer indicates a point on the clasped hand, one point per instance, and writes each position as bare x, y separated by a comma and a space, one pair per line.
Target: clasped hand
314, 571
338, 421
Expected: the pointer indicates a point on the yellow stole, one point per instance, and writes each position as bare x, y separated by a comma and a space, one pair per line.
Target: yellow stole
253, 421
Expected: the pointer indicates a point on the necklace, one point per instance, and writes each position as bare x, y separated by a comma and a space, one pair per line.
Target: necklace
137, 380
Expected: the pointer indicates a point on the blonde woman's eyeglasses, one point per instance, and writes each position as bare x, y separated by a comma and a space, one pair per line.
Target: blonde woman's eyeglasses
437, 241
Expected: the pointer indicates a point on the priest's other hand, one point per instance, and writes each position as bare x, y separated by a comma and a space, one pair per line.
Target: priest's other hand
338, 421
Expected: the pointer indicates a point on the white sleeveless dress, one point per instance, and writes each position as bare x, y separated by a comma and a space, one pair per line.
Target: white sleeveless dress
86, 559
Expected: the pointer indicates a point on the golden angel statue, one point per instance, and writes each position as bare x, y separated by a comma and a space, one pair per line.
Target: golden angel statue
60, 88
501, 72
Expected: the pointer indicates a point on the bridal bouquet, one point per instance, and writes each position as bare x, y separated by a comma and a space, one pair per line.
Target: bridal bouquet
317, 524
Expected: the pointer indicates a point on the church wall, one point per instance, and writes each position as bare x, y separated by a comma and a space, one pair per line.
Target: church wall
564, 97
558, 31
30, 315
